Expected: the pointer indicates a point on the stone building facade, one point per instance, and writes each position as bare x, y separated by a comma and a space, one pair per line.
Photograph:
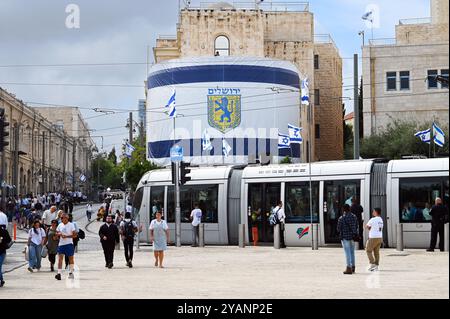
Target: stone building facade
41, 156
283, 35
399, 75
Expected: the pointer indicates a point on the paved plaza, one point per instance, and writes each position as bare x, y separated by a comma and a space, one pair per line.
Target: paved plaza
232, 272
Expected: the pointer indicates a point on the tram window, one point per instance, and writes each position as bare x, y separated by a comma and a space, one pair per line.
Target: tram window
417, 196
137, 200
157, 200
297, 208
205, 195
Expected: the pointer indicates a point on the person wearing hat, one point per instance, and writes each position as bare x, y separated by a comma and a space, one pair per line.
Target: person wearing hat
109, 237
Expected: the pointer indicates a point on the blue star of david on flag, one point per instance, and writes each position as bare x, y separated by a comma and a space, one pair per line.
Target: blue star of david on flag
284, 141
295, 134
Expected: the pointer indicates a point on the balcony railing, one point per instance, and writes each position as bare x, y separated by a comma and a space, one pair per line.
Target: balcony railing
382, 42
414, 21
264, 6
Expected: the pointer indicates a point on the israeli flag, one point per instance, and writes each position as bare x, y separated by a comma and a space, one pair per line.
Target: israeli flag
284, 141
171, 105
439, 136
368, 16
83, 178
305, 91
129, 149
425, 136
226, 148
206, 141
295, 134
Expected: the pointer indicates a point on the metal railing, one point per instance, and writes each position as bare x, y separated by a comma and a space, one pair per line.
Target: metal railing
264, 6
383, 41
414, 21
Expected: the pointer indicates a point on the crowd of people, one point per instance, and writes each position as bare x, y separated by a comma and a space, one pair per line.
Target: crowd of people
24, 209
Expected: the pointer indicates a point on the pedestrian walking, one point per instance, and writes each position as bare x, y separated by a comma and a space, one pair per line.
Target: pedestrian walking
66, 233
89, 211
439, 217
52, 242
159, 236
373, 245
281, 216
358, 211
128, 230
196, 217
48, 216
109, 237
36, 240
75, 239
347, 228
5, 241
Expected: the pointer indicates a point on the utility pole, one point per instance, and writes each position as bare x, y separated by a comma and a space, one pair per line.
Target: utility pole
356, 108
73, 164
130, 138
43, 163
177, 205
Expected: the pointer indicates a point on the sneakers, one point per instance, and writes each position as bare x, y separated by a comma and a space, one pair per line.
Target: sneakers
71, 276
58, 277
2, 283
373, 267
30, 269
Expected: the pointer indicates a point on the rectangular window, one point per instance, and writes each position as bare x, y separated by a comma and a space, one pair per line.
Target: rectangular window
316, 62
432, 81
317, 130
391, 80
297, 208
205, 195
404, 80
317, 97
417, 196
444, 74
157, 202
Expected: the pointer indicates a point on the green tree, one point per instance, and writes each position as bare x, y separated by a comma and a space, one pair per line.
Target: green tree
286, 160
398, 140
112, 156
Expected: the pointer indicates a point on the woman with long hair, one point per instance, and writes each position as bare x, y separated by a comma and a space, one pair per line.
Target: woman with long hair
36, 239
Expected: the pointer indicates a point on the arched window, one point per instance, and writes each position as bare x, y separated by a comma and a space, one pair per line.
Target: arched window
222, 46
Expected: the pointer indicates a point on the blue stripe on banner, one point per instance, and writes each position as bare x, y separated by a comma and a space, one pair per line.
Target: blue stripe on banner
161, 149
224, 73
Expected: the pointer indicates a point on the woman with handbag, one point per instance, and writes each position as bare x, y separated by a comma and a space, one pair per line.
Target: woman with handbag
52, 242
5, 243
36, 239
347, 228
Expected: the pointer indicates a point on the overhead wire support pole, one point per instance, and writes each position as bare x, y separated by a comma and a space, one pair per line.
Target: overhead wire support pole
356, 150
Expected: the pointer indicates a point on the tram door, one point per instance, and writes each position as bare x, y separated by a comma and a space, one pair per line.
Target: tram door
336, 194
262, 198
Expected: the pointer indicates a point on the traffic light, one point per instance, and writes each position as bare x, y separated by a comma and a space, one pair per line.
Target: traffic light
3, 131
184, 170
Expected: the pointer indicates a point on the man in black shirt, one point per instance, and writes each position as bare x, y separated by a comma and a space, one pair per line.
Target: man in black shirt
109, 237
358, 210
439, 216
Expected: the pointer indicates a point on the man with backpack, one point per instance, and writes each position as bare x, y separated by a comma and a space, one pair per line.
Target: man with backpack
128, 229
279, 217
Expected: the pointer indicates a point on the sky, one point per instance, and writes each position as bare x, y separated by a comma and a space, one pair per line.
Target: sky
37, 50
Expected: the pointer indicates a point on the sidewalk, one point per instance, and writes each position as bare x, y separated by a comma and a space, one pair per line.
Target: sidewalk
251, 272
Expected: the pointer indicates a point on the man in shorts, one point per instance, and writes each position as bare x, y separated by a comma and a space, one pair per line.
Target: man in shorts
66, 233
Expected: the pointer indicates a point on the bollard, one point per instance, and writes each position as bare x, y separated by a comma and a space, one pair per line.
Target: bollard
446, 230
315, 235
276, 236
201, 235
241, 232
400, 237
15, 231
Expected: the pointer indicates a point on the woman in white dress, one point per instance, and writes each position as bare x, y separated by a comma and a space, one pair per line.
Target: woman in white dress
159, 236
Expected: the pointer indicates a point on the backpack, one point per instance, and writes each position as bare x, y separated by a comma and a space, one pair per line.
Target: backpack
129, 229
273, 219
81, 234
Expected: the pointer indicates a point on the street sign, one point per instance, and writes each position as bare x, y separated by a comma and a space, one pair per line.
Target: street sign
176, 153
